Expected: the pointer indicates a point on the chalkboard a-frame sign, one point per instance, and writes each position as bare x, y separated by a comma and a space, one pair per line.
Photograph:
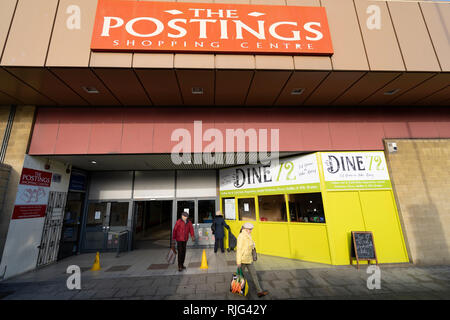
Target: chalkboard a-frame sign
363, 247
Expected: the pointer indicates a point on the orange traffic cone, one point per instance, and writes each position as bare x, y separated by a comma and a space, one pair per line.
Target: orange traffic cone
96, 265
204, 264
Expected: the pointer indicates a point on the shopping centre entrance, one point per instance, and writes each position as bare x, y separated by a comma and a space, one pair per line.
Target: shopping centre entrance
104, 218
152, 224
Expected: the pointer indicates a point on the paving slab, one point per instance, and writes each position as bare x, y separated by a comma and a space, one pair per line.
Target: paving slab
299, 293
204, 288
186, 289
299, 283
281, 284
320, 292
146, 291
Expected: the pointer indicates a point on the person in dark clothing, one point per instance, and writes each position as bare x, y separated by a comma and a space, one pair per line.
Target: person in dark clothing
183, 227
219, 233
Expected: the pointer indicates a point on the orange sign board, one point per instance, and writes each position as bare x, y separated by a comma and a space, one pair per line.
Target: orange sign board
210, 27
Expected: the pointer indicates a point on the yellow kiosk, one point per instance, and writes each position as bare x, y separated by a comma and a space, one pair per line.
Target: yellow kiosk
305, 207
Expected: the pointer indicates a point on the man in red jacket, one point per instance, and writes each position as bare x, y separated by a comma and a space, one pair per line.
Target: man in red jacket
183, 227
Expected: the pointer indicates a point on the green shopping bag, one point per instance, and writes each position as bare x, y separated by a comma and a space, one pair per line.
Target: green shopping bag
239, 283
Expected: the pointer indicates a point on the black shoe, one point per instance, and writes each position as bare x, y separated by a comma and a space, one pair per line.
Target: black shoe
180, 269
183, 267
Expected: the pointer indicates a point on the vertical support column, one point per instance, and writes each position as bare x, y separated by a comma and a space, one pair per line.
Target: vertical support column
5, 116
325, 205
14, 156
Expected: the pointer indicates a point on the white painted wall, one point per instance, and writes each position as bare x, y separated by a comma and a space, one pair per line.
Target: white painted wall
111, 185
196, 183
154, 184
24, 235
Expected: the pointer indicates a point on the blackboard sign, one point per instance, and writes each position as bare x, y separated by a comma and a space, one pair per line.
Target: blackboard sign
363, 247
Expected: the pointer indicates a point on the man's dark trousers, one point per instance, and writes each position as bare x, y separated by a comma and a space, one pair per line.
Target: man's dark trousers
217, 243
181, 247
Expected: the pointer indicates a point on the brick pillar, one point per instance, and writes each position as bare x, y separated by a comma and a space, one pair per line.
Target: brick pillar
15, 154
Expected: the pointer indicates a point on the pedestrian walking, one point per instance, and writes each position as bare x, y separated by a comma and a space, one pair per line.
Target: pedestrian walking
244, 256
218, 226
183, 227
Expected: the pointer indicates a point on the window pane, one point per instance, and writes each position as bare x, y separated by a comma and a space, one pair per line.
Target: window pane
272, 208
119, 214
246, 208
306, 207
206, 210
186, 206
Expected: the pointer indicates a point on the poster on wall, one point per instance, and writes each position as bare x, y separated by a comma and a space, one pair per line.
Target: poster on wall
230, 209
355, 170
291, 175
32, 194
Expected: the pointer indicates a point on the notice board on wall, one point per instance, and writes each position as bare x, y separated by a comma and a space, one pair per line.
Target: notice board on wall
230, 209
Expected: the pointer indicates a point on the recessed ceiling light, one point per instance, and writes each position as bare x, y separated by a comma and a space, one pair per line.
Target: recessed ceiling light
391, 92
93, 162
90, 89
297, 91
197, 90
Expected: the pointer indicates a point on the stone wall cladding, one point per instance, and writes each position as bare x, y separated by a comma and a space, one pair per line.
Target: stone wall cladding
420, 176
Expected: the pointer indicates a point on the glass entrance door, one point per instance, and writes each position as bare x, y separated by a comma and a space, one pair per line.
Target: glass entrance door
97, 225
206, 213
103, 218
201, 214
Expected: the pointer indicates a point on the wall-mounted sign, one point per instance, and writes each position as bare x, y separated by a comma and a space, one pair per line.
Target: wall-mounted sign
32, 194
291, 175
355, 170
208, 27
77, 181
230, 209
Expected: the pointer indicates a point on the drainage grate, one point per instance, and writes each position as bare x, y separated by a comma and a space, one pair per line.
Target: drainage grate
158, 266
118, 268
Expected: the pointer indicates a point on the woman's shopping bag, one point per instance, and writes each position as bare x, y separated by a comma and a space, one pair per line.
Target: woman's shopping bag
171, 256
239, 283
254, 254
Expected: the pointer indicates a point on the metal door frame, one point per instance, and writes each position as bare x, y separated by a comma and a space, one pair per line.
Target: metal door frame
195, 223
